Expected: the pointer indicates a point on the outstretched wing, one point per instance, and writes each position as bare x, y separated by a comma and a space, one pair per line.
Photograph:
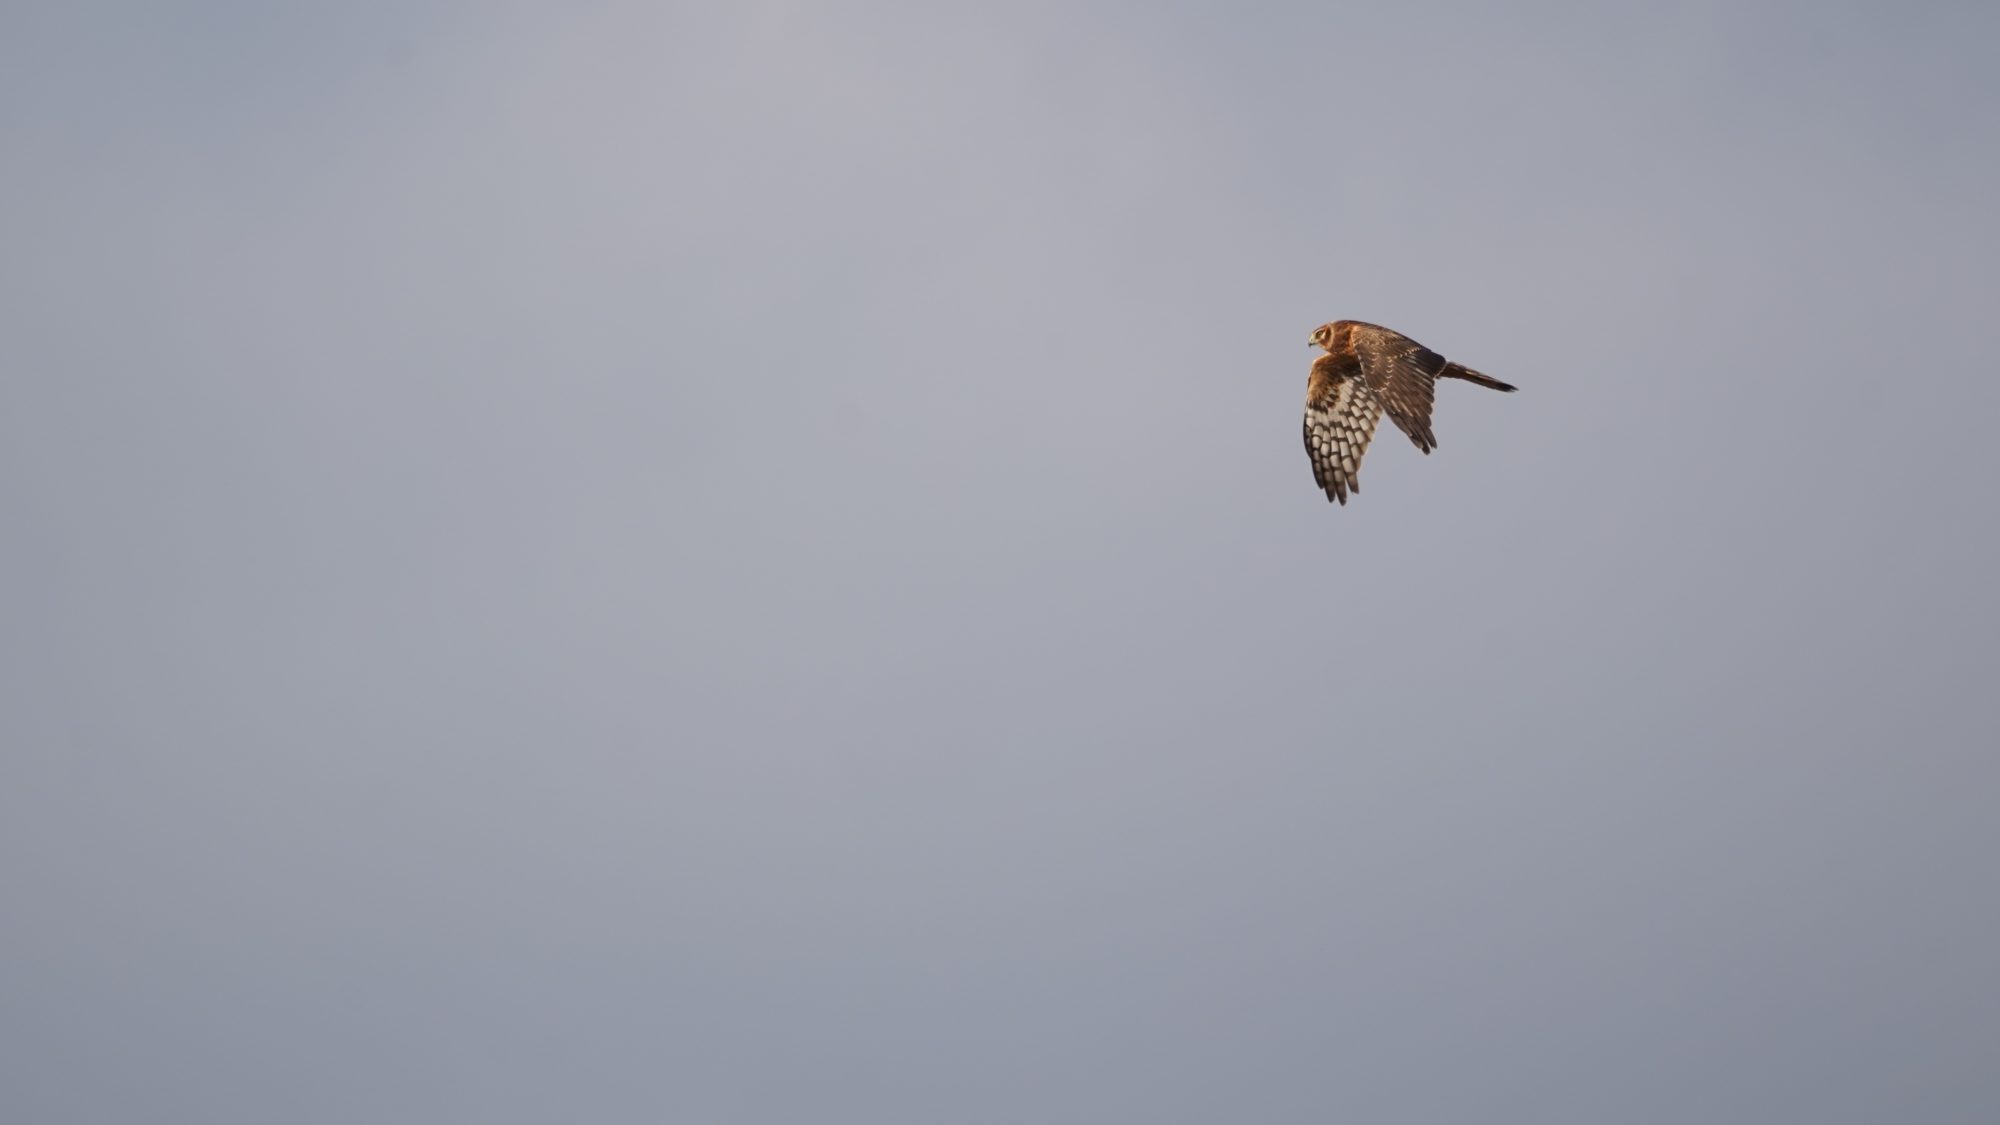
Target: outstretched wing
1403, 374
1341, 413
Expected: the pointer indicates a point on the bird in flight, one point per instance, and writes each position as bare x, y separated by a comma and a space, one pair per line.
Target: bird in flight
1369, 371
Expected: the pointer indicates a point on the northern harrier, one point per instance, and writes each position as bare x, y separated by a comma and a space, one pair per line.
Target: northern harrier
1368, 371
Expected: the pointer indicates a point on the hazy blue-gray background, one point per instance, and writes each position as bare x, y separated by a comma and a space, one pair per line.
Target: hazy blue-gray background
643, 563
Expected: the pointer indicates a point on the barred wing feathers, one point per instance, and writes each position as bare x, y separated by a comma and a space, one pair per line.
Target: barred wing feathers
1341, 414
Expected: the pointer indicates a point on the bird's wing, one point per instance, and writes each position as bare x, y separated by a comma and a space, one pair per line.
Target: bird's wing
1403, 374
1341, 413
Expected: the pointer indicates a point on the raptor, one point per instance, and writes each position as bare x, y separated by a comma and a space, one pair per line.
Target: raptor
1369, 371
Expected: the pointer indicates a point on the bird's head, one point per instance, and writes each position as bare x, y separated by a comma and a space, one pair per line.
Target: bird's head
1322, 336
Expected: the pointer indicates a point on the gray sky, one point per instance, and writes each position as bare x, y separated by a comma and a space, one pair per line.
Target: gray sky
612, 563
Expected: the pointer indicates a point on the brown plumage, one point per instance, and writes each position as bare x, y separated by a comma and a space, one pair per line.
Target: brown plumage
1369, 371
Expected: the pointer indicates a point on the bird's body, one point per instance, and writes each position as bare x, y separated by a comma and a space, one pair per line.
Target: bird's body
1369, 371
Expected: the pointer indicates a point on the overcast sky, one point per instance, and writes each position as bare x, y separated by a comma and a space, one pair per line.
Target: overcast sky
754, 563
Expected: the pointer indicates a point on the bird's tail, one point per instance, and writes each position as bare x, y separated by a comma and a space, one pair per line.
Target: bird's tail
1461, 371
